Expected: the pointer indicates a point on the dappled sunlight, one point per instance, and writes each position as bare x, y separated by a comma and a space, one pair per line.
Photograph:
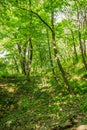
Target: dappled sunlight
79, 65
44, 83
11, 88
3, 85
76, 77
43, 64
42, 104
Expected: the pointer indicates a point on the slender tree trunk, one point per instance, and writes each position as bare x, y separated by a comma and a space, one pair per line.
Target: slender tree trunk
30, 56
84, 46
50, 56
81, 48
17, 67
57, 57
84, 27
80, 40
54, 46
41, 59
74, 45
21, 59
30, 49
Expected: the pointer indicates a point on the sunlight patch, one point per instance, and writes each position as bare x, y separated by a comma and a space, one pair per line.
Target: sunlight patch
11, 90
76, 77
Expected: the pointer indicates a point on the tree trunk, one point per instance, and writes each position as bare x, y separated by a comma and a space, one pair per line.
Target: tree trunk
84, 46
22, 61
54, 46
51, 61
57, 57
80, 40
81, 48
30, 56
74, 45
41, 59
84, 27
30, 48
17, 67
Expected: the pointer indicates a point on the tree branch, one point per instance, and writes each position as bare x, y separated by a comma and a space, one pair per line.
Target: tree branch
36, 14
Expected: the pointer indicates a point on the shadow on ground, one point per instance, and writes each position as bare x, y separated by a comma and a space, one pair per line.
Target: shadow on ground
36, 105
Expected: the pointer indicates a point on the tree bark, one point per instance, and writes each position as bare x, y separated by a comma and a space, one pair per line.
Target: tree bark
57, 57
80, 40
51, 61
74, 45
30, 48
84, 28
55, 49
16, 65
22, 60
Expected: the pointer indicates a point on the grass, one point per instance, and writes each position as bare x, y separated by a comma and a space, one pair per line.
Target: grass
41, 103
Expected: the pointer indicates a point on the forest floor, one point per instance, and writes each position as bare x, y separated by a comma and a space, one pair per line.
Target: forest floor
37, 105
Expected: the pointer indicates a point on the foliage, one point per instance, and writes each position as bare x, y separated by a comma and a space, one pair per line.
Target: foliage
43, 63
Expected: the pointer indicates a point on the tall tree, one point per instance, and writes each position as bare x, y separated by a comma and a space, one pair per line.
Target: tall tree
51, 60
56, 54
80, 36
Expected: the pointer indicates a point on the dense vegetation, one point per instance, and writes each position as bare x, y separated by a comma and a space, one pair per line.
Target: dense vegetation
43, 64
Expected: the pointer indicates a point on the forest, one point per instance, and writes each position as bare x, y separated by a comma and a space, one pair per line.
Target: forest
43, 64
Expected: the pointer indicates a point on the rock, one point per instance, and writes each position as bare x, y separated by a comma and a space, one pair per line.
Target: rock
82, 127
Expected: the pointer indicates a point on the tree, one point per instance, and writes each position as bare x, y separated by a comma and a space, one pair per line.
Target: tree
79, 35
